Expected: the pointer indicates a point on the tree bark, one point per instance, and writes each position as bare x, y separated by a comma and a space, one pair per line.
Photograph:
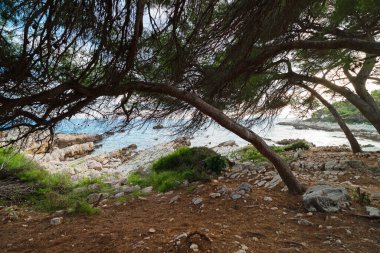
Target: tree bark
222, 119
355, 147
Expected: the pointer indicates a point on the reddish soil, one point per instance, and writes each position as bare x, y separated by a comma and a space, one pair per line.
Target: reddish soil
221, 225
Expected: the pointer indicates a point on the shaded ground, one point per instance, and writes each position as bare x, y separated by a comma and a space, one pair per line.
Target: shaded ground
151, 224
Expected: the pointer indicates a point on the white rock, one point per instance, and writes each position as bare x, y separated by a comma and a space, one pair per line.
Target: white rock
268, 199
56, 221
94, 165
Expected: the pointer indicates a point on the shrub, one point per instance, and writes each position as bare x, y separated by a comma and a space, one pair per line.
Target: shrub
168, 172
183, 159
250, 153
215, 163
296, 145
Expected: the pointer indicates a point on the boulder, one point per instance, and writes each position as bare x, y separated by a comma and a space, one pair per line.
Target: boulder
325, 198
227, 143
181, 142
158, 126
76, 150
343, 165
94, 165
247, 187
65, 140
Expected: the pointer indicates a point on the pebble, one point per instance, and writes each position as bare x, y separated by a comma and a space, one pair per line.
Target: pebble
56, 221
174, 199
152, 230
197, 200
236, 196
268, 199
305, 222
194, 247
215, 195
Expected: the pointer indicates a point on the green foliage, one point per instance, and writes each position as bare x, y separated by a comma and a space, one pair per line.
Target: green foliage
182, 159
296, 145
215, 163
361, 197
250, 153
52, 192
168, 172
166, 180
347, 111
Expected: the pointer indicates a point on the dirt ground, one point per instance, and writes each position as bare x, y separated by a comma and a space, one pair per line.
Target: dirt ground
152, 224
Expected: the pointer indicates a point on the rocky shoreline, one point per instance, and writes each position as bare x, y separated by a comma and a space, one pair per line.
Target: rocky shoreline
363, 131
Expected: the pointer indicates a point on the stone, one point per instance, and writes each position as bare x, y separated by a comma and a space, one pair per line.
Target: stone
325, 198
174, 199
147, 190
94, 198
236, 196
158, 126
130, 189
194, 247
197, 200
223, 190
372, 211
119, 194
268, 199
227, 143
66, 140
276, 180
152, 230
94, 165
215, 195
305, 222
94, 187
245, 186
56, 221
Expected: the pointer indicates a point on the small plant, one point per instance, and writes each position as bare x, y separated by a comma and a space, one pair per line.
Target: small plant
250, 153
361, 197
216, 164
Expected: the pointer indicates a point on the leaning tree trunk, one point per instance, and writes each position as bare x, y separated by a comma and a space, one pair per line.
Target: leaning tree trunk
281, 166
355, 147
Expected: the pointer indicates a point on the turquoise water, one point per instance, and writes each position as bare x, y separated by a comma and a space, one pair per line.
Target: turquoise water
147, 136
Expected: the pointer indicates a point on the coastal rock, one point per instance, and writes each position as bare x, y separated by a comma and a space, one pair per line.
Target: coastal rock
66, 140
94, 165
76, 150
227, 143
181, 142
325, 198
158, 126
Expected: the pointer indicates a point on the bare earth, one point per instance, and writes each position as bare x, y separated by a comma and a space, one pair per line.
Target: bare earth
251, 224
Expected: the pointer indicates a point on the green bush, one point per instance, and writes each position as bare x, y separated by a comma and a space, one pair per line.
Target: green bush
296, 145
168, 172
52, 192
215, 163
183, 159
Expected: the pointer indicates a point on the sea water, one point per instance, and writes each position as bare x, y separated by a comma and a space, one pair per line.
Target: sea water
145, 137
